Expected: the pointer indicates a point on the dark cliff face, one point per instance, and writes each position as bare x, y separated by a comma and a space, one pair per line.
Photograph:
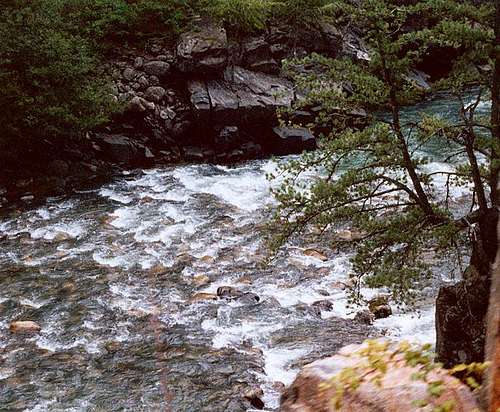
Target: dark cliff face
207, 98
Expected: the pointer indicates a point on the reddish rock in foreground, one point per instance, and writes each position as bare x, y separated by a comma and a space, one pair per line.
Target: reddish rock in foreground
314, 390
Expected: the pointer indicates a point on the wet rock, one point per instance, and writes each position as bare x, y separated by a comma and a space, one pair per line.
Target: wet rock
203, 51
202, 297
259, 94
228, 292
194, 154
314, 387
365, 317
249, 298
24, 326
224, 102
325, 305
201, 280
246, 279
157, 68
315, 254
121, 149
289, 140
379, 306
254, 396
308, 310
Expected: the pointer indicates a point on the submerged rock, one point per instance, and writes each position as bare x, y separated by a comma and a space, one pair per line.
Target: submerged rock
315, 254
201, 297
315, 388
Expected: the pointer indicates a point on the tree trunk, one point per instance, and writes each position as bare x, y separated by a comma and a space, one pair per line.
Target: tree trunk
495, 114
492, 384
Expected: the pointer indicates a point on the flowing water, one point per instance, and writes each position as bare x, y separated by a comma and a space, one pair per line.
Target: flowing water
111, 276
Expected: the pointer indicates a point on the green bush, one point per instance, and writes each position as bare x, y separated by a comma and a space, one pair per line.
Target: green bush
243, 16
50, 84
300, 11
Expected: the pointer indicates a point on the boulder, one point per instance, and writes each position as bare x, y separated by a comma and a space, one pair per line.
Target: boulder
203, 51
364, 317
318, 385
315, 254
157, 68
199, 97
24, 326
224, 102
121, 149
201, 280
155, 93
257, 56
228, 292
254, 396
379, 306
324, 304
289, 140
139, 105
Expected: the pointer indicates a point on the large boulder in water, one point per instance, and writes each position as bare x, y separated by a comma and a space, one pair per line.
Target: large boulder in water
316, 387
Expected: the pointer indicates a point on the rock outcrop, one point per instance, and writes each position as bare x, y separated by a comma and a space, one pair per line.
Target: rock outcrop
461, 308
316, 387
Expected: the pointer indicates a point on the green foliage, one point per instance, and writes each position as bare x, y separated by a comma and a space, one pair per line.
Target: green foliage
50, 82
375, 177
244, 16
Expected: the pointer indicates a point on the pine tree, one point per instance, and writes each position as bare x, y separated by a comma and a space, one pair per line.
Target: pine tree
374, 176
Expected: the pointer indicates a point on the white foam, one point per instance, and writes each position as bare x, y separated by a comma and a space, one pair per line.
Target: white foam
413, 327
117, 197
70, 230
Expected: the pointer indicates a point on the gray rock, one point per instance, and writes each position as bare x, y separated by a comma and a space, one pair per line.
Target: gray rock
290, 140
143, 81
155, 93
325, 305
154, 80
140, 105
157, 68
194, 154
121, 149
364, 317
228, 137
199, 97
257, 56
203, 51
129, 74
138, 62
224, 102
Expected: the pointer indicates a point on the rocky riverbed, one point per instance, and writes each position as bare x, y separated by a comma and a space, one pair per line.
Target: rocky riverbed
155, 290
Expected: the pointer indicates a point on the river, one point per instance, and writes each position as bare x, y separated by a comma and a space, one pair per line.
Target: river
110, 275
